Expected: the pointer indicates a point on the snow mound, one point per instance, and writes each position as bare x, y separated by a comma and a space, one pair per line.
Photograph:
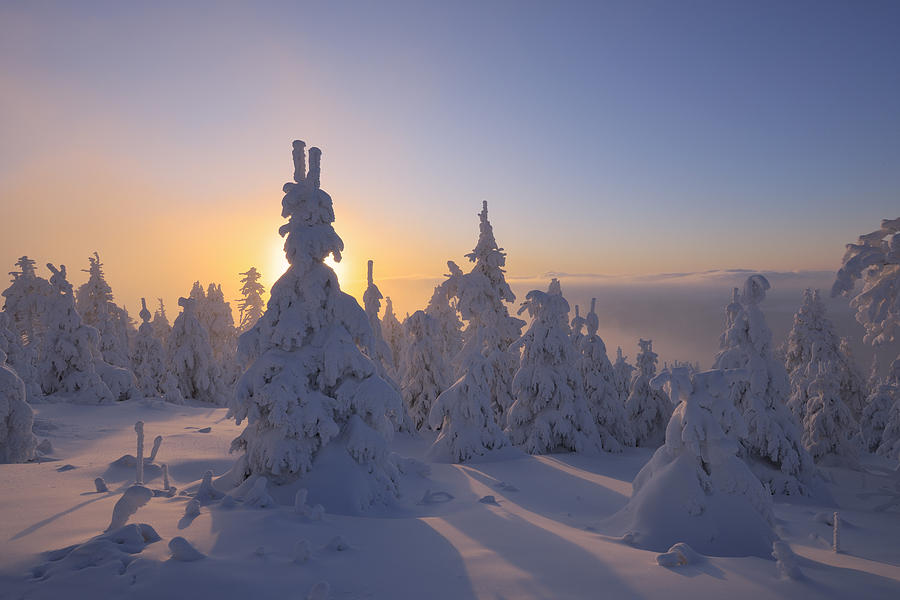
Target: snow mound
134, 497
115, 548
182, 550
679, 555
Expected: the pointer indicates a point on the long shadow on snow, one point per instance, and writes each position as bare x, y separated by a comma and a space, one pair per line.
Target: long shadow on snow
383, 553
32, 528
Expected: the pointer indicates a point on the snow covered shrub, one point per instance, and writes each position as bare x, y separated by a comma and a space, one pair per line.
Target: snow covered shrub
191, 358
17, 442
695, 489
315, 407
600, 392
71, 349
772, 444
648, 409
549, 413
423, 366
251, 306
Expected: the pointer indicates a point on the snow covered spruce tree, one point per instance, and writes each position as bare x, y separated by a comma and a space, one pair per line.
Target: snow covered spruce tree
647, 408
423, 367
160, 323
191, 358
442, 308
481, 297
695, 489
17, 442
94, 302
149, 363
372, 302
818, 373
549, 413
600, 391
623, 371
71, 349
217, 319
392, 331
25, 302
876, 415
813, 333
251, 305
772, 445
315, 406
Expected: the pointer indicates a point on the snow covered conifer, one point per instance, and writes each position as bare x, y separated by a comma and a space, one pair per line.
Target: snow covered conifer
813, 335
71, 349
424, 371
24, 302
828, 425
876, 415
251, 306
549, 413
372, 302
623, 371
648, 409
94, 302
773, 446
578, 325
481, 297
313, 401
216, 317
191, 359
149, 364
160, 323
600, 392
392, 331
444, 312
695, 489
17, 442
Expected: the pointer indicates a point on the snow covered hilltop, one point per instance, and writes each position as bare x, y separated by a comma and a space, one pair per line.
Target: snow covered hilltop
331, 449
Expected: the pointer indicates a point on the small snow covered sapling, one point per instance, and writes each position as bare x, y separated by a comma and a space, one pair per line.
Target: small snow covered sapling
157, 442
100, 484
165, 472
836, 533
139, 429
192, 508
182, 550
258, 495
134, 497
207, 492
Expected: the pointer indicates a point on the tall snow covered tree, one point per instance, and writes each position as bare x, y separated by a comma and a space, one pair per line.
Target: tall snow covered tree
149, 364
191, 358
549, 413
392, 331
315, 406
772, 446
160, 323
17, 442
600, 390
647, 408
216, 317
443, 310
25, 302
695, 489
372, 302
481, 297
251, 305
71, 349
876, 415
94, 302
623, 371
818, 373
424, 371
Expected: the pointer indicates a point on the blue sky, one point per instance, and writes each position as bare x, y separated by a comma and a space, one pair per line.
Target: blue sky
608, 137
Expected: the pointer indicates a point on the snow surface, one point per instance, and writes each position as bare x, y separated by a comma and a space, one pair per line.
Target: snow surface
542, 537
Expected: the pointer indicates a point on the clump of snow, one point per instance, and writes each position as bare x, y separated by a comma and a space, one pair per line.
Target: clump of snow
302, 551
207, 492
182, 550
695, 489
786, 561
192, 508
117, 546
258, 496
337, 544
679, 555
100, 484
134, 497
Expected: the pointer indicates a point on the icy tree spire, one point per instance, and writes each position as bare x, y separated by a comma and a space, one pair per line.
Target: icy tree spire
380, 350
600, 391
549, 413
299, 156
772, 446
160, 323
71, 352
251, 306
648, 409
312, 400
393, 334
